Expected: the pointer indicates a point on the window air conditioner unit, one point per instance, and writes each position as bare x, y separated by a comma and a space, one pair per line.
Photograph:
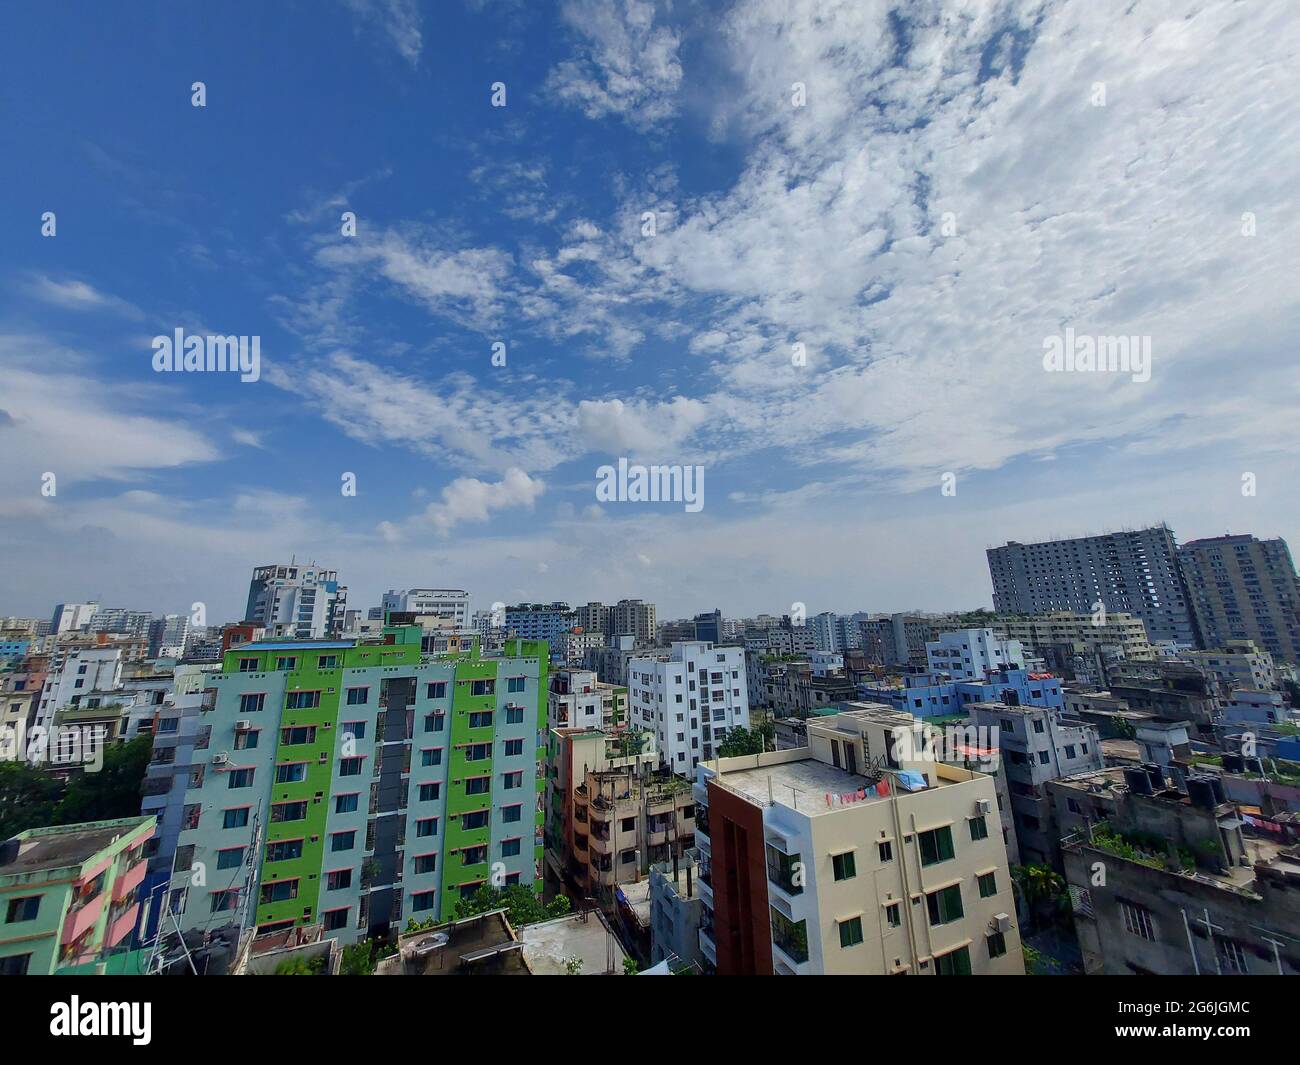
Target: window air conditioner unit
983, 806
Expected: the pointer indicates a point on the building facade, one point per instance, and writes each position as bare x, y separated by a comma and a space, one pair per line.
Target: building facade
1134, 572
305, 602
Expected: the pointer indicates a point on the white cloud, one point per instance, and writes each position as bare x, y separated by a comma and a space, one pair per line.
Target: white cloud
468, 499
627, 66
398, 19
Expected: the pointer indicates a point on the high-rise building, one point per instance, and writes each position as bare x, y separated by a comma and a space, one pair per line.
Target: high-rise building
709, 626
593, 617
72, 617
304, 602
540, 621
168, 636
1242, 588
355, 785
631, 617
121, 620
449, 603
860, 853
689, 698
1135, 572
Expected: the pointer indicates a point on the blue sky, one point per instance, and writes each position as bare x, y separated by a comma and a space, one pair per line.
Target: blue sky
948, 196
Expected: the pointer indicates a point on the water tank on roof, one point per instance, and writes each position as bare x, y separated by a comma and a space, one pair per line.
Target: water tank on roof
1200, 789
1137, 780
1233, 763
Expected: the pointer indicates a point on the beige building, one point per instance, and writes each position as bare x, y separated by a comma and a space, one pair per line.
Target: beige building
609, 817
1083, 633
872, 857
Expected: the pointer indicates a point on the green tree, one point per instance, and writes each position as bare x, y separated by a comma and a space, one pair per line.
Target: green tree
113, 790
741, 740
522, 904
1043, 891
29, 798
358, 959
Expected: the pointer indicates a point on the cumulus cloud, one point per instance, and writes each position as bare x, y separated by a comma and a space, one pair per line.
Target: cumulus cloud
468, 499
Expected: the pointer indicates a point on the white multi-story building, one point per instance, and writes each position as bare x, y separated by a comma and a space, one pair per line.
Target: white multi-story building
970, 654
82, 672
577, 699
451, 603
119, 619
305, 602
168, 636
72, 617
689, 698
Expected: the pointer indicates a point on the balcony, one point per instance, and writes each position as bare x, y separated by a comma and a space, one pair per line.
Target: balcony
82, 917
130, 880
122, 926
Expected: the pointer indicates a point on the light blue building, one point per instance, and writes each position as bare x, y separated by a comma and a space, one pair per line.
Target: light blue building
930, 695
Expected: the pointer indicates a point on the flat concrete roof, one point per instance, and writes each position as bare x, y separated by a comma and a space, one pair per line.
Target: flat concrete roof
809, 779
584, 935
55, 849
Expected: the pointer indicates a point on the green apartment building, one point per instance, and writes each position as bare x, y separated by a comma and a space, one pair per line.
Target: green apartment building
356, 785
68, 895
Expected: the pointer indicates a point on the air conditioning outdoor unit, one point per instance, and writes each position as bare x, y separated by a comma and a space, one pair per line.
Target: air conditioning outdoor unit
221, 759
983, 806
243, 725
1003, 922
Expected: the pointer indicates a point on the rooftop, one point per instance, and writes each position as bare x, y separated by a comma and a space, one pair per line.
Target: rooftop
585, 935
801, 784
62, 847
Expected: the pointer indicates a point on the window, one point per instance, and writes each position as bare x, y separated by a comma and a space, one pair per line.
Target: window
279, 891
293, 737
421, 901
886, 850
512, 814
474, 819
1043, 757
327, 661
434, 722
436, 690
335, 919
223, 901
237, 818
284, 850
302, 700
291, 773
240, 778
246, 739
997, 944
480, 719
513, 780
478, 785
343, 841
230, 858
477, 752
24, 909
426, 863
350, 767
514, 747
509, 848
1137, 920
954, 963
516, 684
431, 756
893, 915
844, 866
979, 829
514, 715
286, 663
473, 855
988, 884
345, 804
15, 964
358, 696
426, 826
248, 665
354, 729
936, 845
430, 792
288, 811
482, 687
850, 932
945, 905
338, 880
